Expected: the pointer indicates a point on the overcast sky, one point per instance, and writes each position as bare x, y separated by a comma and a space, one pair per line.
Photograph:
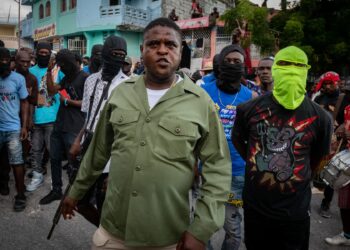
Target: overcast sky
12, 7
270, 3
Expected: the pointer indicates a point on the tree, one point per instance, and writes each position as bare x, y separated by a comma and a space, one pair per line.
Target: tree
252, 23
320, 27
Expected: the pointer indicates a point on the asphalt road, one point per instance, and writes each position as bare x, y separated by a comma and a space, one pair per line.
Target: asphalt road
29, 229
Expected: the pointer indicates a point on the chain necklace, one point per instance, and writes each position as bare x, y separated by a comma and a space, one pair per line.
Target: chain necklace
230, 106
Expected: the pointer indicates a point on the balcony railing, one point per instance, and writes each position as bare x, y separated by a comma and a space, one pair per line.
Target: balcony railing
107, 11
130, 16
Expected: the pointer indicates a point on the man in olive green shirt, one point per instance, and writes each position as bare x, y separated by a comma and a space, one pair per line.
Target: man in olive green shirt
155, 128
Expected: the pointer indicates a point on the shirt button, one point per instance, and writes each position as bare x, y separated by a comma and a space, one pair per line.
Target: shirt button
177, 130
120, 119
134, 193
138, 168
142, 143
148, 119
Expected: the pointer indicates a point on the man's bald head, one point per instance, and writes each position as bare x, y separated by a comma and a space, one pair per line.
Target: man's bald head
22, 61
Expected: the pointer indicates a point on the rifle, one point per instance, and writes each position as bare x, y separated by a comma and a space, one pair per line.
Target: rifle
58, 212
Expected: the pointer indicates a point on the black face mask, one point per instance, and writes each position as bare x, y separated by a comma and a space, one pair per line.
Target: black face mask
5, 69
230, 77
68, 69
111, 67
43, 61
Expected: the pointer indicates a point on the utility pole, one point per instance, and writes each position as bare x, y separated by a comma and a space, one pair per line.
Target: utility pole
19, 23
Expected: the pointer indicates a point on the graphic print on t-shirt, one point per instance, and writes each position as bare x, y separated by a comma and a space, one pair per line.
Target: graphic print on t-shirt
277, 148
44, 99
227, 116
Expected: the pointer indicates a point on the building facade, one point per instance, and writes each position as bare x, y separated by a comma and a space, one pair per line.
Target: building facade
79, 24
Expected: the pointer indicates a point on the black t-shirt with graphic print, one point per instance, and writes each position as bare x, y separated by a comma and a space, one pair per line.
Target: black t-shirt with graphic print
279, 145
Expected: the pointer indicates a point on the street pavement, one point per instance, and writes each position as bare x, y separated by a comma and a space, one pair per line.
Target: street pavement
28, 230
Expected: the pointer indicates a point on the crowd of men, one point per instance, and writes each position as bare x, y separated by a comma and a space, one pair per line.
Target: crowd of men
142, 141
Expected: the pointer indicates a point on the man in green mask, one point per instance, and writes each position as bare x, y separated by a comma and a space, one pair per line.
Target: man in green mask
289, 72
282, 136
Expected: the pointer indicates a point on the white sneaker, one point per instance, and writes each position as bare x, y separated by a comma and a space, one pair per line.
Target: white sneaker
338, 240
37, 181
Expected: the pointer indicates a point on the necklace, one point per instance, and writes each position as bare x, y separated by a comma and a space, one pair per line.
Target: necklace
230, 106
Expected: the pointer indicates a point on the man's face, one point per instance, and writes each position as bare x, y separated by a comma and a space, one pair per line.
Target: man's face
85, 61
161, 52
264, 71
127, 69
23, 62
5, 60
328, 87
234, 58
43, 52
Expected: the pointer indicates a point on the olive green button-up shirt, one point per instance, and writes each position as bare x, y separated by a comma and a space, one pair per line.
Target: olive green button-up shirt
153, 156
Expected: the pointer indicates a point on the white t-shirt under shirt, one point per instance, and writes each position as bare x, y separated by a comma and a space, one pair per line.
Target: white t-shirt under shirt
155, 95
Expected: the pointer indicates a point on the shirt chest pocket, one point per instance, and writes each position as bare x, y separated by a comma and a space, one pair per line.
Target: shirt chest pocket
176, 138
124, 123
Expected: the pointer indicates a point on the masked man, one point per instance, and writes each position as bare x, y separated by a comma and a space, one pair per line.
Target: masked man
69, 120
44, 115
13, 128
95, 60
99, 86
227, 92
282, 136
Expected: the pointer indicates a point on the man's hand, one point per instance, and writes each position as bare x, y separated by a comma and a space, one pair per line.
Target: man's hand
189, 242
68, 207
74, 150
24, 134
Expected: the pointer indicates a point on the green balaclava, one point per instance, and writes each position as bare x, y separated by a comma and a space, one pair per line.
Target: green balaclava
289, 72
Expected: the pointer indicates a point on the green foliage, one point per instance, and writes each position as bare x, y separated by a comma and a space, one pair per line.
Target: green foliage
292, 33
321, 29
256, 18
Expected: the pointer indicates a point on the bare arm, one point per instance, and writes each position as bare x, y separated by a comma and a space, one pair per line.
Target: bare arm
51, 86
24, 118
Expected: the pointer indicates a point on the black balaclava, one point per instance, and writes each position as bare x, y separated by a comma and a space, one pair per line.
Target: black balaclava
95, 59
216, 70
43, 61
5, 68
229, 80
67, 62
112, 64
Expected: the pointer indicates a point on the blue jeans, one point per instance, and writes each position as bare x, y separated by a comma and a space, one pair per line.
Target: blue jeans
40, 138
60, 144
14, 146
233, 217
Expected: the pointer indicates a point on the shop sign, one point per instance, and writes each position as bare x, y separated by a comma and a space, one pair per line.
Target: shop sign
194, 23
45, 32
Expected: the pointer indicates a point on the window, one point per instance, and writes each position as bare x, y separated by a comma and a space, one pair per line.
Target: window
72, 4
41, 11
114, 2
63, 6
48, 8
